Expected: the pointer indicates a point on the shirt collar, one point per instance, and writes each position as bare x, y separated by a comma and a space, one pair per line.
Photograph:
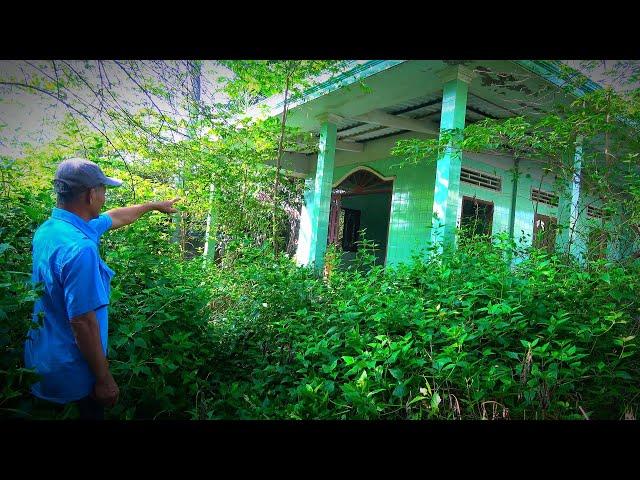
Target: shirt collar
75, 220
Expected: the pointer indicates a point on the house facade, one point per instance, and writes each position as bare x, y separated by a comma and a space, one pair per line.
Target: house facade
353, 184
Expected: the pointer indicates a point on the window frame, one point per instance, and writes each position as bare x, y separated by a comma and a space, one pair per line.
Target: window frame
477, 201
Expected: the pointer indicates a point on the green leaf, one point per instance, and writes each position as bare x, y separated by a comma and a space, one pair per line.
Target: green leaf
435, 400
399, 391
393, 357
441, 362
348, 360
624, 375
362, 379
416, 399
329, 368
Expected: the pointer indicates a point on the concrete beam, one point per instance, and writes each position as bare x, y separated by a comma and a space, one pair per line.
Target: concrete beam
349, 146
298, 164
378, 117
457, 72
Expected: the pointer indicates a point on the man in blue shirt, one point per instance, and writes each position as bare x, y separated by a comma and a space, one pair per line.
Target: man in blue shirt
69, 350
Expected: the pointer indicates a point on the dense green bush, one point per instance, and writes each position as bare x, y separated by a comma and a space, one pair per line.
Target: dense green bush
484, 332
487, 331
460, 336
20, 214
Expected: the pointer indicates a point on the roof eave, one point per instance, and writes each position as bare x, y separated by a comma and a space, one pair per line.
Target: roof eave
274, 105
552, 72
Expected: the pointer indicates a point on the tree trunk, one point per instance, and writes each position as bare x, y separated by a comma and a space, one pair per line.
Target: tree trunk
278, 163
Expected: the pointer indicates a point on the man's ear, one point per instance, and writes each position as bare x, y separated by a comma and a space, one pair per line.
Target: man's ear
91, 198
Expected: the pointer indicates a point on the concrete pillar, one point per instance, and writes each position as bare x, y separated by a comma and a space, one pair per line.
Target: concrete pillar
446, 198
314, 220
568, 239
514, 198
211, 230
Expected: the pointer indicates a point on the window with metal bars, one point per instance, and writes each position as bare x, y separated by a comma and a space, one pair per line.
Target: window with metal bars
542, 196
480, 179
595, 212
597, 244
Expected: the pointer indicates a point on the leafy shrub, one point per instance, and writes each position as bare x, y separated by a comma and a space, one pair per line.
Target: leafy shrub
464, 335
487, 331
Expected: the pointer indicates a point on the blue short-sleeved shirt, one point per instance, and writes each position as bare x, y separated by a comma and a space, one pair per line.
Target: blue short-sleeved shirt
66, 260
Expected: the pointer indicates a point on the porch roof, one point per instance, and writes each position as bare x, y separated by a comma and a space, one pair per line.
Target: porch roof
411, 89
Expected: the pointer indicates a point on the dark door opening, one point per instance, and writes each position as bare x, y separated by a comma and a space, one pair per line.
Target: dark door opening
477, 217
349, 229
360, 208
544, 232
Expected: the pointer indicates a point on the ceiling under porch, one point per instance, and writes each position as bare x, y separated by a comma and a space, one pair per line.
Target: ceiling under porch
407, 98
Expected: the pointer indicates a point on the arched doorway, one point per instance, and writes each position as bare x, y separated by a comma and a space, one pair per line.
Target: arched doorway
361, 201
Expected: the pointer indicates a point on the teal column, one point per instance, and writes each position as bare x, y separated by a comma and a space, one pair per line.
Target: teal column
211, 230
446, 199
304, 230
314, 220
514, 198
568, 238
522, 205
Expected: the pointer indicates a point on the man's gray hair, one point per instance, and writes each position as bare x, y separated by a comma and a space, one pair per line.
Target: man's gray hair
76, 175
65, 193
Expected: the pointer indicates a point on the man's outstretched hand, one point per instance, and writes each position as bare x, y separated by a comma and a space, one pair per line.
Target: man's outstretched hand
127, 215
166, 206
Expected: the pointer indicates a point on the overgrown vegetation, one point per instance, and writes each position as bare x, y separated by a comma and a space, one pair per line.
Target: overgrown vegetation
460, 336
490, 331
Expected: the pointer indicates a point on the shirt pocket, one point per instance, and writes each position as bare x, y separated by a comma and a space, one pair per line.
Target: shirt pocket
106, 274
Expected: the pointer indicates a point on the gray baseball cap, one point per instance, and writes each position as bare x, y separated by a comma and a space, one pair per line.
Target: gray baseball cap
80, 173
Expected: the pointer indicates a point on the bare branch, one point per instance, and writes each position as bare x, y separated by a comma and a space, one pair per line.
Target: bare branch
83, 115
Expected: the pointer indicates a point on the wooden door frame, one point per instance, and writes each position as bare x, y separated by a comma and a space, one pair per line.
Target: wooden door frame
477, 200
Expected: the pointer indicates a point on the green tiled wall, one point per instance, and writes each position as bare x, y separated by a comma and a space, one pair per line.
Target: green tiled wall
501, 200
411, 205
412, 202
529, 178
